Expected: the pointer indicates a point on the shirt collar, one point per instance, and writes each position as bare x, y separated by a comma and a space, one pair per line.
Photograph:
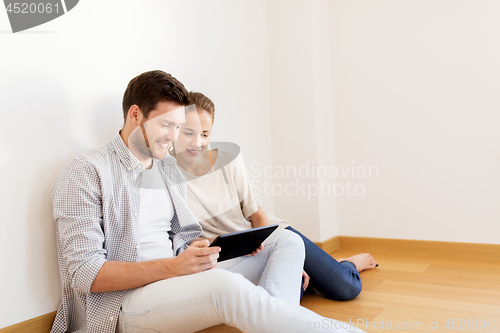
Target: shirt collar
130, 162
170, 160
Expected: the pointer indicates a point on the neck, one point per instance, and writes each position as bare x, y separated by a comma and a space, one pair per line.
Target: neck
198, 167
145, 160
124, 135
147, 163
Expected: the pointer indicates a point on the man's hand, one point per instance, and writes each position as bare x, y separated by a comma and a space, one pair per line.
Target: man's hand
198, 257
256, 251
210, 240
119, 275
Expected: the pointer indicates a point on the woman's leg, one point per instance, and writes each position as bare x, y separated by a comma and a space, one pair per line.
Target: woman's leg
338, 281
194, 302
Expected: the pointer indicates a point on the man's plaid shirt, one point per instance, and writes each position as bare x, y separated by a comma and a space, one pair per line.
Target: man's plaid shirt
96, 208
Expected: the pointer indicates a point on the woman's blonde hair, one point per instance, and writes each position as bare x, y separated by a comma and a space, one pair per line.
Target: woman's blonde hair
201, 102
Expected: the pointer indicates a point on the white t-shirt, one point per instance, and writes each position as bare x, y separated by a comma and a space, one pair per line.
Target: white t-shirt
155, 214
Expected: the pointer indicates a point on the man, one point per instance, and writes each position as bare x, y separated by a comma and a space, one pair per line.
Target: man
129, 251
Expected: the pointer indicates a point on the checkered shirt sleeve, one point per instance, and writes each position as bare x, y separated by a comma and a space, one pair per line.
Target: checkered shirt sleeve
96, 206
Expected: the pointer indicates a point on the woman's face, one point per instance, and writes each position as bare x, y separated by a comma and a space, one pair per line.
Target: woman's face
194, 136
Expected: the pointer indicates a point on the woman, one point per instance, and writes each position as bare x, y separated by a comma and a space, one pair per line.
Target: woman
222, 197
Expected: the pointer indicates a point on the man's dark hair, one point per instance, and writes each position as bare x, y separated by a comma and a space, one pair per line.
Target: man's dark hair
149, 88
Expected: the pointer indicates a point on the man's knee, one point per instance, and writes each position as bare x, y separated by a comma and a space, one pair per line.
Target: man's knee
293, 238
290, 240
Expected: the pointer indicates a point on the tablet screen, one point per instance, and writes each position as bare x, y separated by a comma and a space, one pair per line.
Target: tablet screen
241, 243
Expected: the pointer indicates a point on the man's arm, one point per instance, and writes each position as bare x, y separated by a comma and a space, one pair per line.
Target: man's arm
117, 275
78, 214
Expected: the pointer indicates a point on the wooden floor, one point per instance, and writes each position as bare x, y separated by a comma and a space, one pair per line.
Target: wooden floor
411, 292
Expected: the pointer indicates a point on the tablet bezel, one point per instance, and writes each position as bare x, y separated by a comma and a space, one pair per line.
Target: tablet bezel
237, 244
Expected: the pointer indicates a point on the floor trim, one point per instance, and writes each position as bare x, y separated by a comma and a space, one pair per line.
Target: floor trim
41, 324
330, 245
419, 247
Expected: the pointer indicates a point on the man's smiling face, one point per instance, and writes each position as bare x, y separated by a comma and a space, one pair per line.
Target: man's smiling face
156, 133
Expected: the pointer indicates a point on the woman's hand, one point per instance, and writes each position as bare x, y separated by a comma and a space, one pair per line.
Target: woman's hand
306, 280
256, 251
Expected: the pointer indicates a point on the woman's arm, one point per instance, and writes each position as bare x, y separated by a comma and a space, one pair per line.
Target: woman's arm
259, 218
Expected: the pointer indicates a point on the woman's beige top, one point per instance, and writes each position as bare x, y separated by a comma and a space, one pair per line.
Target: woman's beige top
222, 207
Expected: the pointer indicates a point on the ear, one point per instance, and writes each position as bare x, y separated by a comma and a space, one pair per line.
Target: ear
134, 115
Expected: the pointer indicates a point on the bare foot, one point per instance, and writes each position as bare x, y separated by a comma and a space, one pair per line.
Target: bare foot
362, 261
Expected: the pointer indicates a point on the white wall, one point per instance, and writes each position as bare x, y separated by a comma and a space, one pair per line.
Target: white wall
405, 86
415, 90
301, 104
61, 86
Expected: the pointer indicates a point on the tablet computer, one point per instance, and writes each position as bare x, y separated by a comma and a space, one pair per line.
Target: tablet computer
241, 243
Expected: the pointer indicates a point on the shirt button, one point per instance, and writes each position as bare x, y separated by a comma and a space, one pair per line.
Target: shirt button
111, 318
129, 168
135, 214
137, 247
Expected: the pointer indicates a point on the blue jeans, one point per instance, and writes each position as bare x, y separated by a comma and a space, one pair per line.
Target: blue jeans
337, 281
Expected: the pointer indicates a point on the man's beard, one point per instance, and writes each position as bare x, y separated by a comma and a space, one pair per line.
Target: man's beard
137, 144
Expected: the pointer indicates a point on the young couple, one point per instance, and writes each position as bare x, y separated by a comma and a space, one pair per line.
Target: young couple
130, 251
222, 197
